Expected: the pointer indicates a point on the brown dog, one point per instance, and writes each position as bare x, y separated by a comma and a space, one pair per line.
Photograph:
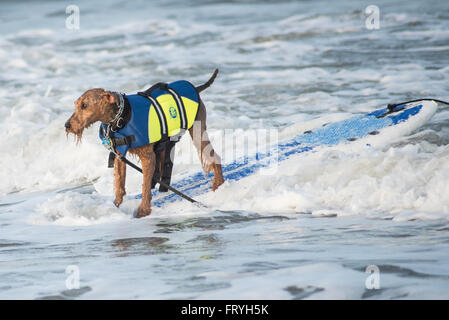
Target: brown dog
100, 105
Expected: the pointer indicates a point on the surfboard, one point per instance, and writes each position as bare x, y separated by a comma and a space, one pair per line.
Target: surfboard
366, 129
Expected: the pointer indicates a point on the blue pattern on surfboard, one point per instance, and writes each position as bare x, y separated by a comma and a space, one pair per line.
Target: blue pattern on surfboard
328, 135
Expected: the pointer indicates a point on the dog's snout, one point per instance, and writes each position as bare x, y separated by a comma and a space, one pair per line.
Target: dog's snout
67, 125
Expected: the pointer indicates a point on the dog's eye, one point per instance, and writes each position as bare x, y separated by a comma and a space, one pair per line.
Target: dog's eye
83, 106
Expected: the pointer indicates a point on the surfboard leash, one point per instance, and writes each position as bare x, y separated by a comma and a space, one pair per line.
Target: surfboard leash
162, 183
391, 106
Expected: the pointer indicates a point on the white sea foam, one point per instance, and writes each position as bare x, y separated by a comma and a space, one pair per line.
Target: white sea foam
294, 65
74, 209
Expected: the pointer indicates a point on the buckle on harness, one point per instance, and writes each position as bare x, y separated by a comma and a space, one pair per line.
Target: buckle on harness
108, 143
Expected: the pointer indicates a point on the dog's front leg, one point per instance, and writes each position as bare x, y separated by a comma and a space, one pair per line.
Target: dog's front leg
148, 159
119, 180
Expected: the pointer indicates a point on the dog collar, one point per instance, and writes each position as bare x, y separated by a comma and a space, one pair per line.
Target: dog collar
118, 120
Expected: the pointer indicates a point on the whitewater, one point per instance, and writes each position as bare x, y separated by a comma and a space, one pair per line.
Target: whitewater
313, 228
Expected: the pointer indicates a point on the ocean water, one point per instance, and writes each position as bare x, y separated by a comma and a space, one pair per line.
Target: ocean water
313, 230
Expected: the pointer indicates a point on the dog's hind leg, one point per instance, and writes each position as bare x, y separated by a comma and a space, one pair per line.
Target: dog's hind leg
119, 180
210, 160
148, 159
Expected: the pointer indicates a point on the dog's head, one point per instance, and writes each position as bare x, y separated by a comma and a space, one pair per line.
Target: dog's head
93, 105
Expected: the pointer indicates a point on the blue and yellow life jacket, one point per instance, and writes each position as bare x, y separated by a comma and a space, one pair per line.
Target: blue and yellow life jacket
162, 112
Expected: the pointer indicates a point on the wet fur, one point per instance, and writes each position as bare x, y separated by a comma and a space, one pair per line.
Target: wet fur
100, 105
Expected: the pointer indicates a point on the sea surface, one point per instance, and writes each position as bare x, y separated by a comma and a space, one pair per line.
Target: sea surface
346, 223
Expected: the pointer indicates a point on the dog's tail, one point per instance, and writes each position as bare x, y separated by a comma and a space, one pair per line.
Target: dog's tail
208, 83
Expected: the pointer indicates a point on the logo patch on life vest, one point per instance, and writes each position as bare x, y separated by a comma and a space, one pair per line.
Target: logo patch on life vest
172, 112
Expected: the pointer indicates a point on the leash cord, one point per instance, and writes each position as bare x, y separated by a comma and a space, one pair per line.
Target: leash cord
393, 105
179, 193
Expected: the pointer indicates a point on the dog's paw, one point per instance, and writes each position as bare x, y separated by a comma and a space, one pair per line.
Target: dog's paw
118, 201
216, 183
143, 212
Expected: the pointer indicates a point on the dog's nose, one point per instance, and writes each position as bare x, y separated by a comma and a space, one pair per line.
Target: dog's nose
67, 125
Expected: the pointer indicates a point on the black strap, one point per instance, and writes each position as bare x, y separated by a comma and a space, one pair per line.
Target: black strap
123, 141
391, 109
166, 149
181, 108
159, 112
111, 160
159, 85
167, 166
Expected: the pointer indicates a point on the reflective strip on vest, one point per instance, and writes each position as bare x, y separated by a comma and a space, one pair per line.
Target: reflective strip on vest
157, 121
181, 108
161, 115
174, 113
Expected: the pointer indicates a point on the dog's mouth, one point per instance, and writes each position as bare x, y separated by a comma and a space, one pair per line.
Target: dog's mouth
77, 132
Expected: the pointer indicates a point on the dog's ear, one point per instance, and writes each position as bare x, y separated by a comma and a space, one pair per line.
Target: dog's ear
110, 97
